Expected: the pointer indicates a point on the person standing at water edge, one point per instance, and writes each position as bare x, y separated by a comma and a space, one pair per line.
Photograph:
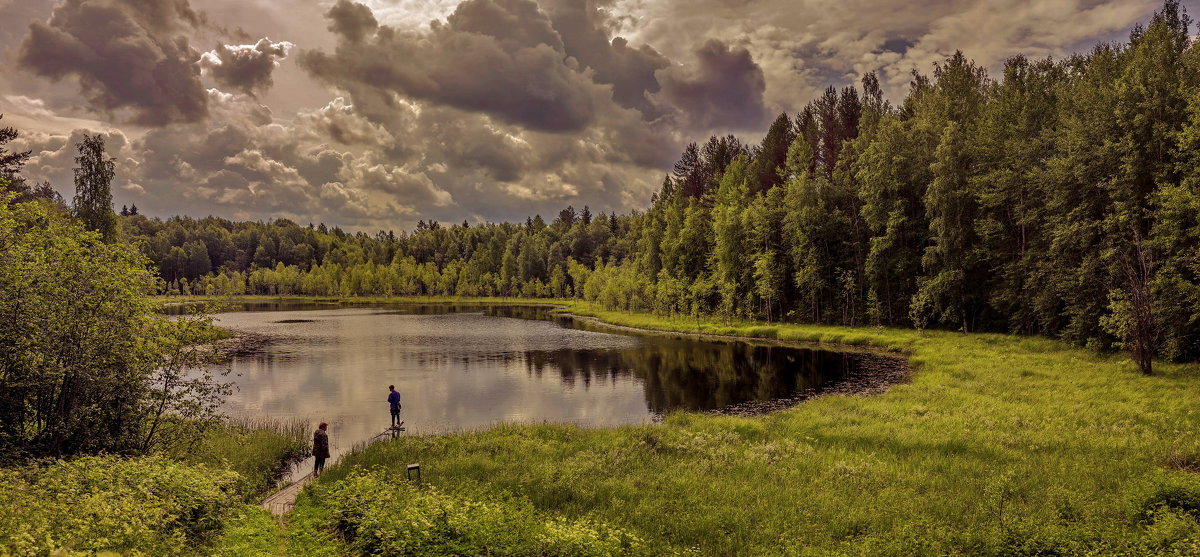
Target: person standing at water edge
394, 400
320, 448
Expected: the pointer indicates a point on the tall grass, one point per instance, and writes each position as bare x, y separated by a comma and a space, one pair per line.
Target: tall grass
259, 449
999, 445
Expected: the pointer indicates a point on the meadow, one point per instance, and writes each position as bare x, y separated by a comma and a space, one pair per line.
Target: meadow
998, 445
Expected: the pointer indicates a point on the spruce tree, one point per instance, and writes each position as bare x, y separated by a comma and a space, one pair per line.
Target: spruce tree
771, 156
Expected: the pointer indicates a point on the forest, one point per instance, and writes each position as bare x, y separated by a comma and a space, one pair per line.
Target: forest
1059, 199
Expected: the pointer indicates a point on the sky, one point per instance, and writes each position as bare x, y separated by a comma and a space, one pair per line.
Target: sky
376, 114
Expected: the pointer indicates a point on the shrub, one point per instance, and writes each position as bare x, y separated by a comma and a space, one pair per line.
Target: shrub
147, 505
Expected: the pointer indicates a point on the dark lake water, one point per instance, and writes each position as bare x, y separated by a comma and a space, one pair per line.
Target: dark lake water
466, 367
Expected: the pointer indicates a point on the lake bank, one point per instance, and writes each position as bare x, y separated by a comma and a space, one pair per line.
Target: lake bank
999, 444
260, 328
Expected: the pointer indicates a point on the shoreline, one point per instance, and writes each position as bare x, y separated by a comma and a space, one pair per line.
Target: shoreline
877, 369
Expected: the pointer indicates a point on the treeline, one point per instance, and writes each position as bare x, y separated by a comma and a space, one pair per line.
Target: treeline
1060, 199
222, 257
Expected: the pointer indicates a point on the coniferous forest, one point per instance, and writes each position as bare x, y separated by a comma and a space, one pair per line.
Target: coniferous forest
1059, 198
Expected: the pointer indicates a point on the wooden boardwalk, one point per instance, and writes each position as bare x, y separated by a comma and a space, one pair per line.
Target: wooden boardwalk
283, 501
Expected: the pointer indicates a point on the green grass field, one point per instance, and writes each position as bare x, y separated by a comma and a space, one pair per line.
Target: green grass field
998, 445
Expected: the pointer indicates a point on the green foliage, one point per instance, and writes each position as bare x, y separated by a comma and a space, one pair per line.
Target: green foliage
252, 531
93, 204
383, 514
1177, 493
71, 336
87, 366
145, 506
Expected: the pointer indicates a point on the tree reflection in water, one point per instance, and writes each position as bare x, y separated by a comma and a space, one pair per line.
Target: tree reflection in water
675, 372
689, 374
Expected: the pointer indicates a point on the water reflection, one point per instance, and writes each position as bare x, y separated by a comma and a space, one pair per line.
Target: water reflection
686, 375
463, 367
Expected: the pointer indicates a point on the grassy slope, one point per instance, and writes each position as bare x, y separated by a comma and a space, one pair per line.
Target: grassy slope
999, 443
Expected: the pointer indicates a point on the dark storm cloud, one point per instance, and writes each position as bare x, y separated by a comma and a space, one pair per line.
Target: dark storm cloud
352, 20
499, 57
583, 27
496, 110
126, 54
515, 24
724, 90
245, 68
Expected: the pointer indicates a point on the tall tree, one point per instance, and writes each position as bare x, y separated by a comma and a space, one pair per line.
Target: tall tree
771, 155
728, 259
11, 162
93, 203
688, 173
949, 287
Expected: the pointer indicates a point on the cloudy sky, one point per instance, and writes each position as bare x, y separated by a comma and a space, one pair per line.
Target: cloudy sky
374, 114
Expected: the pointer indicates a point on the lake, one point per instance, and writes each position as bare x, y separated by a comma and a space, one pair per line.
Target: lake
461, 367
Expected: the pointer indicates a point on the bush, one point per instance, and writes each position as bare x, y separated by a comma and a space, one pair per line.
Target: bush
382, 514
150, 505
86, 366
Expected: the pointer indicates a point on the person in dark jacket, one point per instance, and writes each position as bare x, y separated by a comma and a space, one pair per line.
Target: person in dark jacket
320, 448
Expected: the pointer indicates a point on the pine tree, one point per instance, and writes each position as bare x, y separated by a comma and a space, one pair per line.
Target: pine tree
11, 163
688, 173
